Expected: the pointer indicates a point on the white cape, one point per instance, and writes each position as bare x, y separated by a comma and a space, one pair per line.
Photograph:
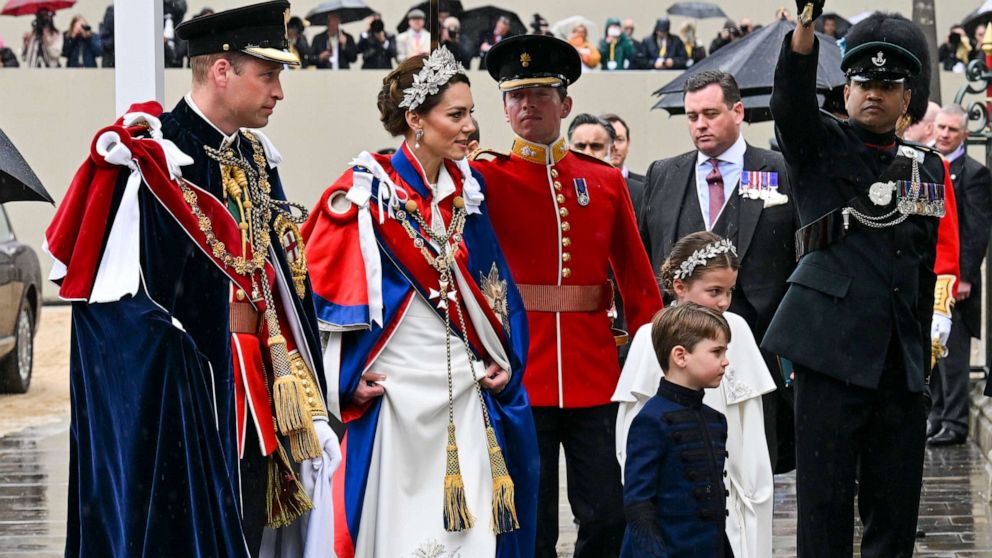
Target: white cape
749, 469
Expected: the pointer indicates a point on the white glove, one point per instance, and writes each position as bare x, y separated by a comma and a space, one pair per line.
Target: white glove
940, 329
316, 474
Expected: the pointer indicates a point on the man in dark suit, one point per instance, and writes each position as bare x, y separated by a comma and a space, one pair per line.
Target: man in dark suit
334, 48
621, 148
701, 190
948, 422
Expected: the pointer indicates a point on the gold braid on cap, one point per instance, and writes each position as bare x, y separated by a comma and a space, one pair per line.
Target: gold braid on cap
438, 70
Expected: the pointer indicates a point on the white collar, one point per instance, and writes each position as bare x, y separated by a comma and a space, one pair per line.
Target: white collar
733, 154
445, 183
228, 139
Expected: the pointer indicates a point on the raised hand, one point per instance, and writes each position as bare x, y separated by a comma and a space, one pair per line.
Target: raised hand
809, 10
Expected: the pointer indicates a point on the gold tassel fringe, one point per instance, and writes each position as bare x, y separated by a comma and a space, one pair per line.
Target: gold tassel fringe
285, 500
294, 419
457, 517
504, 506
304, 444
289, 395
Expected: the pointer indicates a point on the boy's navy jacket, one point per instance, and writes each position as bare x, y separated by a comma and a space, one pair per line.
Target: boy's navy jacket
674, 496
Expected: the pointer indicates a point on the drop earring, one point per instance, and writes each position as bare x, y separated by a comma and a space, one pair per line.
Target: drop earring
419, 136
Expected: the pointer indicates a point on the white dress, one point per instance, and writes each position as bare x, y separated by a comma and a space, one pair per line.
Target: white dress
749, 469
402, 512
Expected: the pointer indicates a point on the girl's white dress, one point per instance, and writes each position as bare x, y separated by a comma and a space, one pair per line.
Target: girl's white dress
749, 470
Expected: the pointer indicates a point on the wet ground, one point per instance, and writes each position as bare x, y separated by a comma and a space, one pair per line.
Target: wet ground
954, 509
954, 512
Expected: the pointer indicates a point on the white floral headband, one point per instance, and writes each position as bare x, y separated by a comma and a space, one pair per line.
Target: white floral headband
438, 69
701, 256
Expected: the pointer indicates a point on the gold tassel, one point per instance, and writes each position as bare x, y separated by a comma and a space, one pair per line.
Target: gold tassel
504, 507
286, 500
457, 518
289, 396
294, 419
304, 444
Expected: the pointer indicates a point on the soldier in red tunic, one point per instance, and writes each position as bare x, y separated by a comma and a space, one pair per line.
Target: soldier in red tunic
564, 220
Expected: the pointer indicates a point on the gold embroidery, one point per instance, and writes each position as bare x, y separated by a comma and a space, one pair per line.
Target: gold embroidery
494, 290
292, 245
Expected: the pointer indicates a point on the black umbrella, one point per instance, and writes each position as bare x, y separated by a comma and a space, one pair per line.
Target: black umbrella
698, 10
980, 16
751, 60
17, 181
347, 10
842, 24
453, 7
479, 20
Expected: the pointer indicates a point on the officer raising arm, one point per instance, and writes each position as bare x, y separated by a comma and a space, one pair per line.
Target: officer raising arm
856, 320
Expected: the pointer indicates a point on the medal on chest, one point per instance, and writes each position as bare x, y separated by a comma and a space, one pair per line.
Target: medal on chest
581, 191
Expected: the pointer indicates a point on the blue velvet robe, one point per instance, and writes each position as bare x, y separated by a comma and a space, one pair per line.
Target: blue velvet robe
154, 467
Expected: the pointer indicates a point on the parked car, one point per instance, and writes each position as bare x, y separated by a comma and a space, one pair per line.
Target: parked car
20, 308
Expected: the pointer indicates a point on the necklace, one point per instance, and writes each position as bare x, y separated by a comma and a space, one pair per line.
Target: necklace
456, 513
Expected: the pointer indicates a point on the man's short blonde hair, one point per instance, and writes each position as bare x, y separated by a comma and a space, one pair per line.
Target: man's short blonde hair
201, 64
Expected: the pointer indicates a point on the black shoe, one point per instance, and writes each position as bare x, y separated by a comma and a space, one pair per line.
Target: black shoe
933, 427
947, 438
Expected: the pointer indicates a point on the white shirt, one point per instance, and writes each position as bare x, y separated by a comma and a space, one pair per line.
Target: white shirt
731, 163
332, 42
956, 154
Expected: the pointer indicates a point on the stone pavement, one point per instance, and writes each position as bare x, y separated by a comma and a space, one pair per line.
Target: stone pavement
954, 511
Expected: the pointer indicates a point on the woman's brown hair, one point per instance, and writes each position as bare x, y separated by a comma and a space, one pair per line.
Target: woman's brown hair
391, 114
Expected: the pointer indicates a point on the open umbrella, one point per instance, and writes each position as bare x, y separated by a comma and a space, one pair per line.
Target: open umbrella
478, 20
563, 29
860, 17
842, 24
453, 7
31, 7
751, 60
698, 10
347, 10
17, 181
980, 16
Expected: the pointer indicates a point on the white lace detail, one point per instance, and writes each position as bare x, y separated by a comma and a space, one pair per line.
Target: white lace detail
736, 391
434, 549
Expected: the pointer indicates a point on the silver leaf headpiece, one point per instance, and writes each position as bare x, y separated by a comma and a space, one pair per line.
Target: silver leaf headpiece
701, 256
438, 69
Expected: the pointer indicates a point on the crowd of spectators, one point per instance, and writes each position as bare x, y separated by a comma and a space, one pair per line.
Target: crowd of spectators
617, 48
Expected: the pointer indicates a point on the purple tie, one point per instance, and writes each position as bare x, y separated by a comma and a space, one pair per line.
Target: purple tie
715, 181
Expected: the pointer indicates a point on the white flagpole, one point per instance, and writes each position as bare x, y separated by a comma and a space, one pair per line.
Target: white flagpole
138, 49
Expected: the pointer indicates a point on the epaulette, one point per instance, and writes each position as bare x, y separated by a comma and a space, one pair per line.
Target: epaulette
588, 157
480, 152
920, 146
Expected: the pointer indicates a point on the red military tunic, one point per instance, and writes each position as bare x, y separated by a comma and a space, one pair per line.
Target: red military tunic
563, 220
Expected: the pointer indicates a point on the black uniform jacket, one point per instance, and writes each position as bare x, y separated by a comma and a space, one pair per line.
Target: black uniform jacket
870, 294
